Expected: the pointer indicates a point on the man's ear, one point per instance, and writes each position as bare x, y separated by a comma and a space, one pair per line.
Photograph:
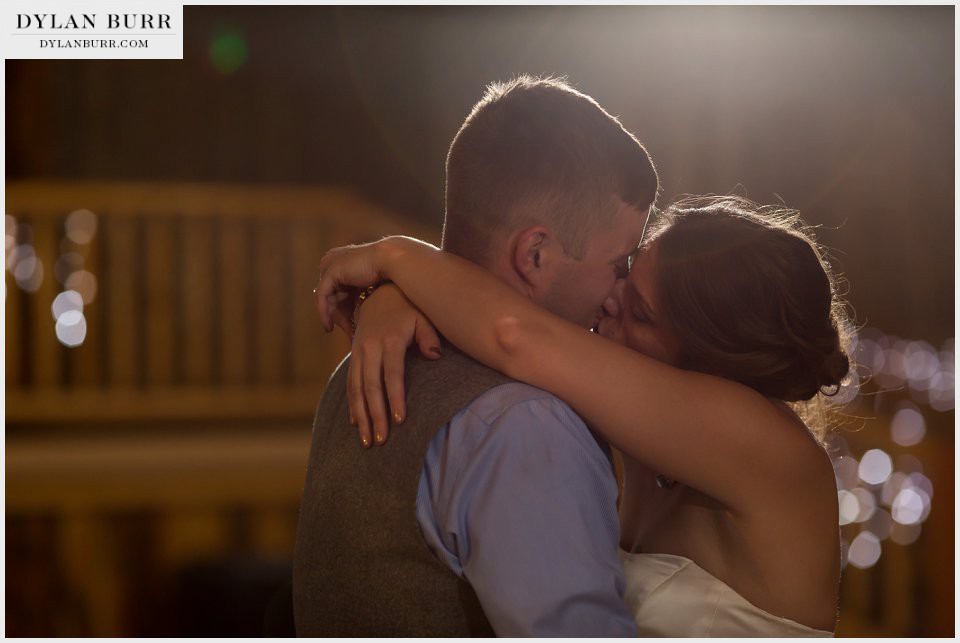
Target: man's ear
532, 255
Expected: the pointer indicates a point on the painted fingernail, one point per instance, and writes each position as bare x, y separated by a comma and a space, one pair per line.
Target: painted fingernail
397, 417
353, 420
366, 441
379, 438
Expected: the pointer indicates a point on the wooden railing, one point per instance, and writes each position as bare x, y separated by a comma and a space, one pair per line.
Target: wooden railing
203, 306
178, 431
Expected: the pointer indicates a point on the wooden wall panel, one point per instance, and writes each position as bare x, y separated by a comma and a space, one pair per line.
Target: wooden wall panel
159, 292
234, 289
312, 347
13, 331
119, 298
270, 311
87, 546
198, 286
46, 350
204, 304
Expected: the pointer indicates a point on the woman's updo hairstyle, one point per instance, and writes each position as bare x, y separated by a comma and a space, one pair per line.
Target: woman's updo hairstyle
749, 296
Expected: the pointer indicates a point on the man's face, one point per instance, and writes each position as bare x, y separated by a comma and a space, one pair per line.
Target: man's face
635, 319
579, 287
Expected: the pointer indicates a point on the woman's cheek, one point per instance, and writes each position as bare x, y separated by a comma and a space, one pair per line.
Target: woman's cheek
642, 339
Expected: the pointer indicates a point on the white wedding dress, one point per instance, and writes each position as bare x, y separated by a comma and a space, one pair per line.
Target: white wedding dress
672, 596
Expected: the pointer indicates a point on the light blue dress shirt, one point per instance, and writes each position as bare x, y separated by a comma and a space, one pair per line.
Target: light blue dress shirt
517, 497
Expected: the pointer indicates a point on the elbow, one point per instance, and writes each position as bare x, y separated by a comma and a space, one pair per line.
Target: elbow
510, 338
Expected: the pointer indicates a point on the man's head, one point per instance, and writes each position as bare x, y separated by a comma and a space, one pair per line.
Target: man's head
548, 191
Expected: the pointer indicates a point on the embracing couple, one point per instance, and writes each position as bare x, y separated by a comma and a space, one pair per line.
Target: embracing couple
493, 505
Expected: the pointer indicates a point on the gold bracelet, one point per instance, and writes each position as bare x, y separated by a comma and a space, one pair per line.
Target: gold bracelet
362, 297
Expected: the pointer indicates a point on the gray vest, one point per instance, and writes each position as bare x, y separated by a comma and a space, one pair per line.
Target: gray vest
361, 567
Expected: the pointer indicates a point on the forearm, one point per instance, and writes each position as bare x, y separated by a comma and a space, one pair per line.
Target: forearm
493, 323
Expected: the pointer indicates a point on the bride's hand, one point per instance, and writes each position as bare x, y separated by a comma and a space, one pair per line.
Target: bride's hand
347, 267
341, 270
387, 323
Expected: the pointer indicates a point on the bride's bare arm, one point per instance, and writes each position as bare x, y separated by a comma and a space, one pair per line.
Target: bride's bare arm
702, 430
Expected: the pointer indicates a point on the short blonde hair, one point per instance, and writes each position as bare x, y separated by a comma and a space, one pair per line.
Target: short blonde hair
537, 151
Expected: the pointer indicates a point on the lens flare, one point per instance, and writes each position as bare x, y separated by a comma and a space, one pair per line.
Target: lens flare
65, 302
875, 467
864, 550
81, 226
71, 328
228, 50
908, 426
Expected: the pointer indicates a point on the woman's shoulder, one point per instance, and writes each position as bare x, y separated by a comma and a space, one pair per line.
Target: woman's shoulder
797, 444
799, 483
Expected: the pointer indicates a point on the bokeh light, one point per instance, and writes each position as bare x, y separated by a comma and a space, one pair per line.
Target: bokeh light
67, 264
849, 507
919, 481
864, 551
894, 371
28, 272
65, 302
85, 283
941, 389
846, 468
228, 50
867, 504
24, 234
907, 427
81, 226
870, 355
893, 362
892, 487
879, 524
921, 363
908, 464
80, 285
71, 328
849, 390
875, 467
11, 233
904, 534
908, 506
17, 254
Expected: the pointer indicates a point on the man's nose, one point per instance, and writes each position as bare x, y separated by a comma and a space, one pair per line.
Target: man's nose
611, 305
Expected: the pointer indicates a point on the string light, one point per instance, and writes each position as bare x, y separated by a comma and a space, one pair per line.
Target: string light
881, 498
864, 550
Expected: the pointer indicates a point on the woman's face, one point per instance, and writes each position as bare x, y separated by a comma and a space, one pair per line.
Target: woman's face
632, 312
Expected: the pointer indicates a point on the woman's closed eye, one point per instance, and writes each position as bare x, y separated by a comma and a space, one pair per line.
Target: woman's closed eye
639, 316
621, 267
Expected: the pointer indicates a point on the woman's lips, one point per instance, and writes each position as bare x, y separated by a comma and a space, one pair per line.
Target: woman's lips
596, 320
601, 325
